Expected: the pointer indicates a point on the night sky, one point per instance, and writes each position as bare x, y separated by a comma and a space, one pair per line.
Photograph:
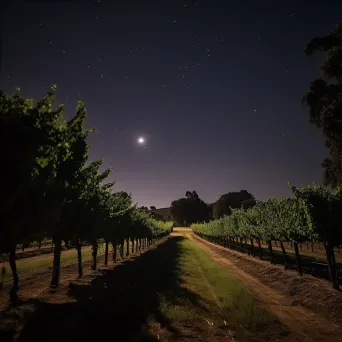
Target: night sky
213, 86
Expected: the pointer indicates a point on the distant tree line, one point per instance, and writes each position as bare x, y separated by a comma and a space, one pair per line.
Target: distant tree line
191, 209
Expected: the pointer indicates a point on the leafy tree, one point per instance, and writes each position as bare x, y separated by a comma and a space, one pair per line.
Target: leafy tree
49, 192
189, 209
232, 200
324, 101
32, 143
324, 218
152, 207
71, 140
192, 195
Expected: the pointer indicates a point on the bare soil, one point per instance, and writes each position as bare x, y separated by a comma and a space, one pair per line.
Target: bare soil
124, 296
117, 303
308, 306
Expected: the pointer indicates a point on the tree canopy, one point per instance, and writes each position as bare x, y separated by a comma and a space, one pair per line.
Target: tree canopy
324, 100
190, 209
234, 200
50, 191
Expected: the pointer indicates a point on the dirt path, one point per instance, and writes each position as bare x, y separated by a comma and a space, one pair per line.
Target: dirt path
303, 323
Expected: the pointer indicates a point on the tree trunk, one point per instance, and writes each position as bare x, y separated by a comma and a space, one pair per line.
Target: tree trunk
39, 244
312, 247
270, 250
284, 254
127, 247
332, 264
260, 249
15, 287
133, 249
94, 254
299, 264
252, 244
79, 259
56, 263
114, 250
122, 246
137, 245
106, 253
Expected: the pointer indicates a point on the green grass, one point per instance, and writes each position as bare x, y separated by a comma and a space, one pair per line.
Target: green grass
42, 262
223, 296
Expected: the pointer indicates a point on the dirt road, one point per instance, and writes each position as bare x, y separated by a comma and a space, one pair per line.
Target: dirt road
304, 324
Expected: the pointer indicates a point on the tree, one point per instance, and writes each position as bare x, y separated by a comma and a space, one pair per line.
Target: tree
71, 140
190, 209
49, 192
234, 200
324, 217
324, 101
33, 142
152, 207
192, 195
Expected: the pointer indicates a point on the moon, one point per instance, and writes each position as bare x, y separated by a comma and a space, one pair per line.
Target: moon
141, 140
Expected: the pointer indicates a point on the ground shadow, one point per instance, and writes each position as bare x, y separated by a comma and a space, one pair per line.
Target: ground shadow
117, 304
309, 264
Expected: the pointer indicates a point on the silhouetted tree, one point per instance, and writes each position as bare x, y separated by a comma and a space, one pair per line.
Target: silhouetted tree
192, 195
324, 101
152, 207
233, 200
190, 209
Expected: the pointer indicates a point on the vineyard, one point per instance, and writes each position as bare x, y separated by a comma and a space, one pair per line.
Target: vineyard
52, 193
312, 215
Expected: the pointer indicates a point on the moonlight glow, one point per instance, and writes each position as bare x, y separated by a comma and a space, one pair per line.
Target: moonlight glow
141, 140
